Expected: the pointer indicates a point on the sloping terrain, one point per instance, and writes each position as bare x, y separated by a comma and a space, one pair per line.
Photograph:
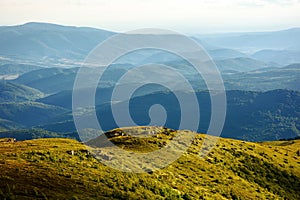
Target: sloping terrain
245, 74
241, 64
8, 125
49, 80
63, 169
225, 54
17, 69
251, 116
283, 57
38, 40
29, 113
277, 40
265, 79
30, 134
13, 92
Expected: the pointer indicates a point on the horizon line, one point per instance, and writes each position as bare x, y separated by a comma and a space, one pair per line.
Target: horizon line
110, 30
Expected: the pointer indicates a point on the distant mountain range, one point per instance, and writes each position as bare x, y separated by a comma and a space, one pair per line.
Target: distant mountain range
39, 63
281, 47
54, 80
51, 44
253, 116
39, 40
256, 41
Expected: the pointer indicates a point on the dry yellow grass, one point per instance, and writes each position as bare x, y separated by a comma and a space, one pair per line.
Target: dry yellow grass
45, 169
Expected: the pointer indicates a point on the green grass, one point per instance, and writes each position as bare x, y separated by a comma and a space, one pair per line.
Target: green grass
45, 169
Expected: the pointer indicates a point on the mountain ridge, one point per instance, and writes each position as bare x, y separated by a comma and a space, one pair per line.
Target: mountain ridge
37, 40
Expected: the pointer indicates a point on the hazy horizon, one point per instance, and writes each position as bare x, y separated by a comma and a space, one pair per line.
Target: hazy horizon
192, 33
192, 16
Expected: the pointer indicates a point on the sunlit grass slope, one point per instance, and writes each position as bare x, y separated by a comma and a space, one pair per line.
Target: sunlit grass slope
45, 169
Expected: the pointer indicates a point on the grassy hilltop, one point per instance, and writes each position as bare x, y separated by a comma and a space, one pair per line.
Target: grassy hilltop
45, 169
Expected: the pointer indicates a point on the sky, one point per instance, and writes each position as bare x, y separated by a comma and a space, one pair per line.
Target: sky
188, 16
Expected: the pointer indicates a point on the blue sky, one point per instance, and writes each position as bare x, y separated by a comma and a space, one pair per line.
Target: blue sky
189, 16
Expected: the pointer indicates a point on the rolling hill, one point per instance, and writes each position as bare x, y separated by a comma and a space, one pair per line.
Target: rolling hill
283, 57
265, 79
55, 80
12, 92
221, 54
31, 134
244, 74
281, 47
9, 125
256, 41
241, 64
252, 116
43, 40
47, 168
17, 69
238, 74
49, 80
29, 113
